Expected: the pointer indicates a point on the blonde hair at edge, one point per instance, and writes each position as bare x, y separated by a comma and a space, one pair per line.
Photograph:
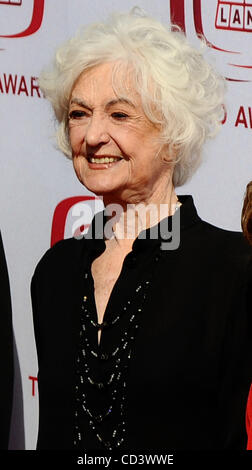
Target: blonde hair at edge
187, 93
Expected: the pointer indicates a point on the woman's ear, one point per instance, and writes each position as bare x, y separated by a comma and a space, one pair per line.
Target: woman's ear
169, 154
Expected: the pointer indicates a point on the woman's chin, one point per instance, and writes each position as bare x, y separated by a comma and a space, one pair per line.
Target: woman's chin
100, 185
101, 189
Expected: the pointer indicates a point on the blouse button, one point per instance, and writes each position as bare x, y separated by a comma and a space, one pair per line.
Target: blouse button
99, 418
104, 356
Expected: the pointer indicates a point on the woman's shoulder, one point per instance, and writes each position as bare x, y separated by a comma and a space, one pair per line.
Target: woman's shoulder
226, 239
63, 253
206, 237
228, 249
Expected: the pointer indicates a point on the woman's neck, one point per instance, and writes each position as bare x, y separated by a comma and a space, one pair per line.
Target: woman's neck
127, 219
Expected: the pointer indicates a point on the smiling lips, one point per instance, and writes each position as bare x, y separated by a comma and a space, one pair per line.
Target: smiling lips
102, 161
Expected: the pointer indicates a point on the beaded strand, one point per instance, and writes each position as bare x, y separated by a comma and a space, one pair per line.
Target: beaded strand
116, 382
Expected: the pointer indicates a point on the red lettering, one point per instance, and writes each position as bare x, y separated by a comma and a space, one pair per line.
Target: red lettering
241, 118
34, 380
249, 17
236, 18
19, 84
34, 86
9, 82
250, 117
23, 87
223, 20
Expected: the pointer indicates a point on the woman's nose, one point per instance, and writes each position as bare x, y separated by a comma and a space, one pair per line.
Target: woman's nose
97, 132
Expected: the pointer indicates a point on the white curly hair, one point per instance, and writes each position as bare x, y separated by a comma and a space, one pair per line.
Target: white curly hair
187, 93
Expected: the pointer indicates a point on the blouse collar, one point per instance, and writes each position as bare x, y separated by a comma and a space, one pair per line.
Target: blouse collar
152, 236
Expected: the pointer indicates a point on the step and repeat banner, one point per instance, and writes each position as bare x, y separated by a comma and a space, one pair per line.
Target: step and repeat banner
41, 201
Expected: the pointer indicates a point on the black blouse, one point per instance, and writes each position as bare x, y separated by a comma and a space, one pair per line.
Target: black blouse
182, 380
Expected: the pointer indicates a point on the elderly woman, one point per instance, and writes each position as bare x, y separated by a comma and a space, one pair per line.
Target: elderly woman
142, 343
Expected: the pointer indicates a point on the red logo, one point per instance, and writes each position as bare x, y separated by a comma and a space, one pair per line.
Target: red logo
36, 17
80, 219
221, 19
234, 16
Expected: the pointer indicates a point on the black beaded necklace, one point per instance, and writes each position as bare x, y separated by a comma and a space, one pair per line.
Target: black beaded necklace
116, 382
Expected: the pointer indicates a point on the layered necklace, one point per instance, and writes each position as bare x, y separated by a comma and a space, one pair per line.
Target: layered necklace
115, 384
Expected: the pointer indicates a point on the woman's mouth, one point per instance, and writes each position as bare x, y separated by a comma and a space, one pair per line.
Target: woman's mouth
102, 162
103, 159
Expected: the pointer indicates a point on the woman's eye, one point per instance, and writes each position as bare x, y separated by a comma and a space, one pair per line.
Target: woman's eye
77, 114
119, 116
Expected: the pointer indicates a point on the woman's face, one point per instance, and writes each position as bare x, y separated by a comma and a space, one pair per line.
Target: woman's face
114, 145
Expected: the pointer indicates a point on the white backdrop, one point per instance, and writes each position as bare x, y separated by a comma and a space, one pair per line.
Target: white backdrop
35, 177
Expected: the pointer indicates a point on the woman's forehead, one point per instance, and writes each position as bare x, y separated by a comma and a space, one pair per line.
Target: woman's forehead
112, 80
